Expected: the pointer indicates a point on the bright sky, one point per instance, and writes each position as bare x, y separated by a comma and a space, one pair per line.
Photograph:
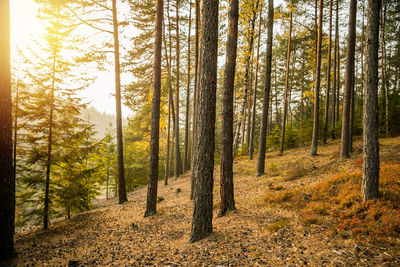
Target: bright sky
25, 26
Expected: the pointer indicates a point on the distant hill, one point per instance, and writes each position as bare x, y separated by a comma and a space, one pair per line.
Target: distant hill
101, 120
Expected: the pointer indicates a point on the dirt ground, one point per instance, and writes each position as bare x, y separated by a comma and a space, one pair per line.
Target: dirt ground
256, 234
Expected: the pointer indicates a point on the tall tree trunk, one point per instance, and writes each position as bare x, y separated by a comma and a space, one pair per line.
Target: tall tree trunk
177, 160
204, 168
185, 161
314, 143
155, 114
338, 62
370, 180
285, 104
349, 81
242, 112
267, 89
385, 88
328, 75
120, 147
335, 88
249, 103
226, 167
195, 97
49, 148
16, 111
7, 179
276, 96
362, 59
253, 123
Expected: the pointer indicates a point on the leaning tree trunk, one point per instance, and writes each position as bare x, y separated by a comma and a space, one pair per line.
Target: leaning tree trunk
285, 104
314, 143
349, 81
120, 147
7, 181
253, 123
328, 75
186, 156
205, 143
267, 89
370, 180
155, 114
226, 167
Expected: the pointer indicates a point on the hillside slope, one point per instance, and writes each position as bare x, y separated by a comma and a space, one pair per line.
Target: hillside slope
255, 234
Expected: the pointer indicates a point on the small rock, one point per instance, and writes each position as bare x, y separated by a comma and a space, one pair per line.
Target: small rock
178, 190
159, 199
73, 263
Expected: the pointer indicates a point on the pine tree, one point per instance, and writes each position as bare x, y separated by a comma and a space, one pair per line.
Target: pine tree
227, 194
205, 144
155, 117
370, 180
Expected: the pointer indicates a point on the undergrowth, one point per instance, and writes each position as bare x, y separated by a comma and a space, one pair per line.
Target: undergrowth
337, 203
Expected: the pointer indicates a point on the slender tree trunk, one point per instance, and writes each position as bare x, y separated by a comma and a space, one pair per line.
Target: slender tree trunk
335, 88
195, 98
285, 104
49, 148
349, 81
328, 76
317, 84
177, 160
226, 167
370, 180
253, 123
385, 88
362, 59
16, 111
242, 113
155, 114
267, 89
120, 147
276, 96
338, 62
249, 104
7, 179
186, 156
203, 195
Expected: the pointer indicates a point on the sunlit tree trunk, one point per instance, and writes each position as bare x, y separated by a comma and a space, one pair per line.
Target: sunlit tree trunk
120, 147
251, 149
328, 76
267, 89
285, 97
370, 180
349, 81
314, 143
226, 167
155, 114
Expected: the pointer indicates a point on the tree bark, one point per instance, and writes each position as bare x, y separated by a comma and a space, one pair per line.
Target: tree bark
314, 143
385, 88
349, 81
177, 167
155, 114
226, 167
195, 97
205, 143
370, 180
253, 123
267, 90
285, 104
120, 147
338, 62
7, 179
186, 156
328, 76
335, 88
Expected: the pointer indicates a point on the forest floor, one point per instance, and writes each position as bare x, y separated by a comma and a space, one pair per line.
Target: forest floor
257, 233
